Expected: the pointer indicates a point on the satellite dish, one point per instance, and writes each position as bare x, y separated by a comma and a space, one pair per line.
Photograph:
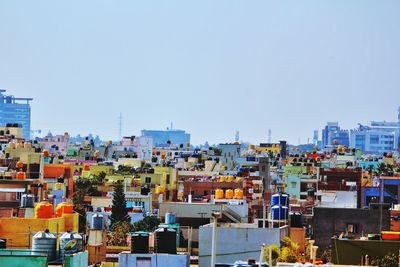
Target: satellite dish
71, 245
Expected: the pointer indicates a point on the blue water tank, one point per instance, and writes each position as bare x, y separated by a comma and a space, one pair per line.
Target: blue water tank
97, 222
279, 213
280, 200
170, 218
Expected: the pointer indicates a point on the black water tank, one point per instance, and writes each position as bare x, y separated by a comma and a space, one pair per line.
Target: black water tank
144, 191
3, 243
165, 240
140, 243
296, 219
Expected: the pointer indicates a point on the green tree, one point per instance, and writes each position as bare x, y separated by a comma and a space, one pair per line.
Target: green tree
119, 232
148, 223
78, 200
118, 209
389, 260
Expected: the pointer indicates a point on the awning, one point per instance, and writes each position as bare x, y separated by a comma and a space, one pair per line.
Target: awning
12, 190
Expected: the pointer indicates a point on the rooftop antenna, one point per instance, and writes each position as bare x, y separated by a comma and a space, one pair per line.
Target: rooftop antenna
237, 136
171, 126
269, 136
120, 126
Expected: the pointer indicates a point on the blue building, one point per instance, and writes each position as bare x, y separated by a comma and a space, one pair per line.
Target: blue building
332, 132
162, 138
16, 110
371, 140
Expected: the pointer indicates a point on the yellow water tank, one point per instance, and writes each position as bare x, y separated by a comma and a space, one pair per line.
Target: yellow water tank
12, 145
230, 178
239, 179
238, 193
160, 189
229, 194
20, 145
43, 210
223, 168
57, 186
219, 194
28, 145
222, 178
252, 147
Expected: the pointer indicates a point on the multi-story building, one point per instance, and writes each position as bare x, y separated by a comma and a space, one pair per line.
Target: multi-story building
332, 132
165, 138
373, 141
16, 110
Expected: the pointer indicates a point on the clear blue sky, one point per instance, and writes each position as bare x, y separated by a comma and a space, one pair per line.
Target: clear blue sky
210, 67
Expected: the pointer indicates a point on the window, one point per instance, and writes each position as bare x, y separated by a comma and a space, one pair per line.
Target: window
293, 184
168, 179
351, 228
205, 193
148, 180
374, 139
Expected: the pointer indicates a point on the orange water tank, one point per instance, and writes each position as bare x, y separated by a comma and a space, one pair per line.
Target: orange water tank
222, 179
20, 164
21, 176
238, 193
219, 194
390, 235
229, 194
64, 208
43, 210
252, 147
230, 178
86, 167
45, 153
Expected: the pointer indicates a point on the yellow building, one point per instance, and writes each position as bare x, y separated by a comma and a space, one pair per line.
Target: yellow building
273, 147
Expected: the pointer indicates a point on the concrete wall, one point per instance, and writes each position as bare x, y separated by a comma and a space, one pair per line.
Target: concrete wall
328, 221
154, 260
235, 243
79, 259
23, 261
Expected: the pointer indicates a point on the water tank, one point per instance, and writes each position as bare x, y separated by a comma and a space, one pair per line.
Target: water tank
97, 222
140, 243
229, 194
219, 194
238, 193
170, 218
64, 208
43, 210
222, 179
279, 213
230, 178
165, 240
21, 176
3, 243
27, 201
296, 219
280, 200
65, 238
45, 243
144, 191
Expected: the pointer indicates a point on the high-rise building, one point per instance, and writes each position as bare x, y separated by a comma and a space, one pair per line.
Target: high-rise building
16, 110
169, 137
378, 138
332, 132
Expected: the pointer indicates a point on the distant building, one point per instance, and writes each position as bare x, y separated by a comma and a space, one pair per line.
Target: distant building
332, 132
161, 138
16, 110
229, 154
378, 138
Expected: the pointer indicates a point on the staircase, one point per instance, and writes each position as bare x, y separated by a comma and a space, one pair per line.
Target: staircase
230, 214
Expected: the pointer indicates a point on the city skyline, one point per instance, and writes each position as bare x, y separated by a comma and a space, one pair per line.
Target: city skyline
222, 67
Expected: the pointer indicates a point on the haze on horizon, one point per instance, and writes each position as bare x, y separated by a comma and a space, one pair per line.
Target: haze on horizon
210, 67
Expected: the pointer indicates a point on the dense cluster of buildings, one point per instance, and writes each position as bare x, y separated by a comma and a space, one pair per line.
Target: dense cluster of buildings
218, 205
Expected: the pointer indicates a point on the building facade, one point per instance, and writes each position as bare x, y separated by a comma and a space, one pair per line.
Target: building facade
16, 110
174, 137
332, 132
